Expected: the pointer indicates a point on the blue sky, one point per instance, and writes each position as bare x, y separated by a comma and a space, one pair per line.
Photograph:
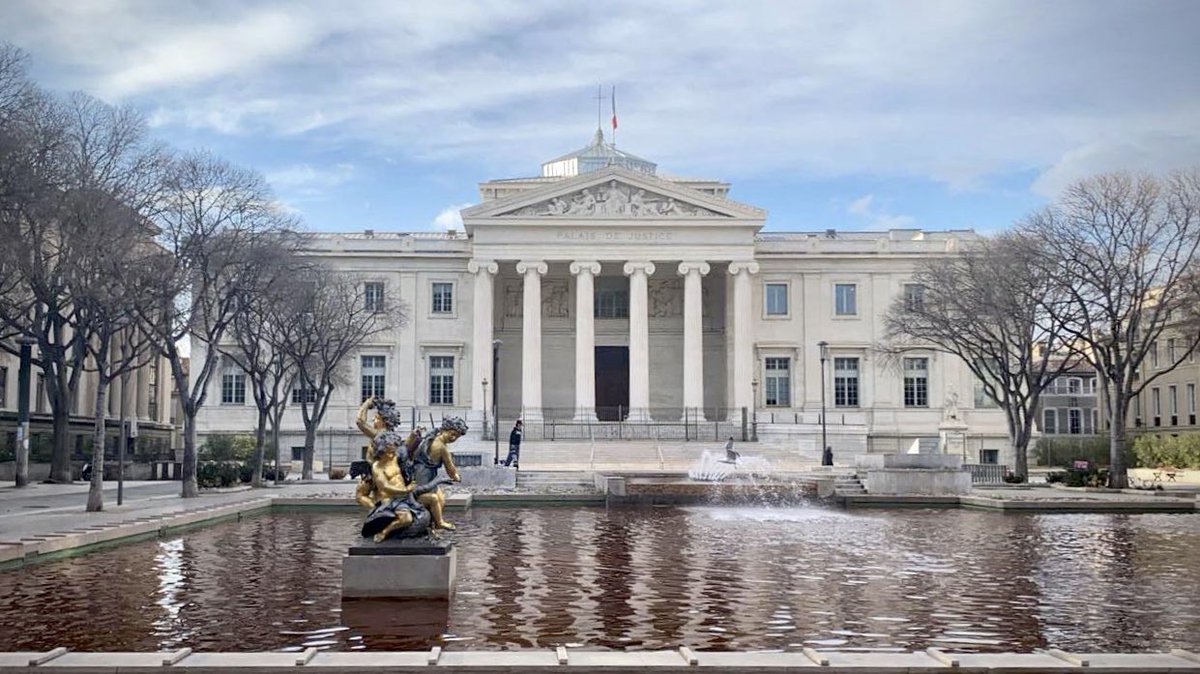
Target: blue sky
843, 114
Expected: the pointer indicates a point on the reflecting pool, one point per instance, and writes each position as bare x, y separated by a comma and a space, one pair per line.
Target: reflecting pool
708, 577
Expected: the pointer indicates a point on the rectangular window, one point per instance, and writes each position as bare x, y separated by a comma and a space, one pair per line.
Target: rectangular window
40, 399
1074, 386
233, 386
373, 296
3, 387
845, 382
916, 382
1173, 399
1075, 421
374, 376
777, 299
991, 456
441, 380
778, 382
1050, 421
982, 400
151, 391
302, 394
298, 453
612, 304
845, 299
443, 298
1153, 354
1171, 351
914, 297
1191, 398
1137, 406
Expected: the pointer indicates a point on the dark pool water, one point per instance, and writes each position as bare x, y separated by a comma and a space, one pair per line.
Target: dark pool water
708, 577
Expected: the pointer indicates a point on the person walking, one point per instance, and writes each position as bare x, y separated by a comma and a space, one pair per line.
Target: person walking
514, 446
827, 456
730, 455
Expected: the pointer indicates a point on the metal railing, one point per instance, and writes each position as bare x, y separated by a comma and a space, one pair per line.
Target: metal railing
987, 473
620, 423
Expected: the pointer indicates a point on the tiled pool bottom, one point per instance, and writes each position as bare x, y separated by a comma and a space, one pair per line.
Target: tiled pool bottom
711, 578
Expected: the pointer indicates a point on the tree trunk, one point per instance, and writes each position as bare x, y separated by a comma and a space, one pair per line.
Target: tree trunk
1118, 475
95, 502
1021, 454
60, 460
190, 489
260, 450
310, 442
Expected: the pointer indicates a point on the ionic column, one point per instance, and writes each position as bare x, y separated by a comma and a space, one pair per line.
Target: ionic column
693, 340
481, 344
639, 338
585, 338
531, 338
743, 335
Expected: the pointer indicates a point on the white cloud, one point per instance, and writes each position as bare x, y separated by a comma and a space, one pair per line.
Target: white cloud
450, 218
864, 207
306, 180
950, 91
1150, 153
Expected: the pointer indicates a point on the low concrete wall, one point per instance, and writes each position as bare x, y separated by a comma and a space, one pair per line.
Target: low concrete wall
932, 482
494, 477
937, 461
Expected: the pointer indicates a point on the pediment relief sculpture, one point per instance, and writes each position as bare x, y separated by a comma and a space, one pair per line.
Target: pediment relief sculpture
556, 302
616, 200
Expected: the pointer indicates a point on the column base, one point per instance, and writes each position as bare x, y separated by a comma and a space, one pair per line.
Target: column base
695, 414
585, 414
641, 414
531, 414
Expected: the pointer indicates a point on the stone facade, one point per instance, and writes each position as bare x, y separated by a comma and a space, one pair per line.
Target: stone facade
619, 293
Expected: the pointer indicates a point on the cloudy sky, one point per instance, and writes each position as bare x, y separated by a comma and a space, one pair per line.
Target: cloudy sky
844, 114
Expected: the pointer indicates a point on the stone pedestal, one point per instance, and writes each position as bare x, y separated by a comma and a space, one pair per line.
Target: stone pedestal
952, 438
399, 569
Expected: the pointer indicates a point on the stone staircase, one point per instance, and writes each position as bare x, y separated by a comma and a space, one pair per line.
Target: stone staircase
557, 479
848, 485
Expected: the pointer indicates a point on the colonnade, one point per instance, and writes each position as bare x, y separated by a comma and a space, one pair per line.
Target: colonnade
639, 273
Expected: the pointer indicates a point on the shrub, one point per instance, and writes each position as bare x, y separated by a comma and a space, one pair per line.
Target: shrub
1180, 451
1057, 476
269, 473
1012, 478
210, 474
337, 474
1063, 452
1092, 477
227, 447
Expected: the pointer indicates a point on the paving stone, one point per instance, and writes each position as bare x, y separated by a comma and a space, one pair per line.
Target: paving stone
514, 661
1155, 662
1013, 662
230, 660
577, 658
365, 659
115, 661
753, 660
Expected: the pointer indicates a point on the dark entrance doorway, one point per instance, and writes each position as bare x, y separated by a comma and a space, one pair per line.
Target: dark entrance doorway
612, 383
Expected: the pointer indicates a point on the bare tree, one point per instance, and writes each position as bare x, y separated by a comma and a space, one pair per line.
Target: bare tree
216, 221
987, 307
333, 322
261, 328
1125, 248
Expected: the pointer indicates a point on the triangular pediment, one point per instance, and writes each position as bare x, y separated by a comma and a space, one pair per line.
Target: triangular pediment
613, 193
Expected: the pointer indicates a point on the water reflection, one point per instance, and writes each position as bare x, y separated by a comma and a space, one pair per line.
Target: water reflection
714, 578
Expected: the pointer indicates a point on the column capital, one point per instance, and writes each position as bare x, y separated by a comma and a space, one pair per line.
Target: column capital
585, 266
748, 266
632, 268
686, 268
536, 266
488, 266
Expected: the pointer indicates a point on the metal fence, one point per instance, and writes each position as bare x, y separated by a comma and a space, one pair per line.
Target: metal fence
617, 424
987, 473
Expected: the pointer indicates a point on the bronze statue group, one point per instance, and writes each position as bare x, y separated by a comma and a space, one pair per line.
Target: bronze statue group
400, 485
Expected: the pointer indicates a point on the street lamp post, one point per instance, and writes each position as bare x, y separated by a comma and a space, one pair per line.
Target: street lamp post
824, 346
754, 410
495, 391
485, 407
21, 464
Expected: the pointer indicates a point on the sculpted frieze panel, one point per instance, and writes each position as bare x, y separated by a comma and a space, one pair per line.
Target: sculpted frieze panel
513, 299
616, 199
666, 297
556, 299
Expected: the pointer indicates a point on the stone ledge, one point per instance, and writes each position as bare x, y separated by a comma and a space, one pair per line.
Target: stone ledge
535, 660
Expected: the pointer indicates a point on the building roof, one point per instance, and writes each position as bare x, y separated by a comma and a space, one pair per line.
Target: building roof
596, 155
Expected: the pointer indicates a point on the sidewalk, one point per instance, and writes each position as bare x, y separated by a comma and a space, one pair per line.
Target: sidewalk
33, 522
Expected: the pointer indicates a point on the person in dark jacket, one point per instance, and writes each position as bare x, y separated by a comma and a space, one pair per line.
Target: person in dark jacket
514, 446
827, 457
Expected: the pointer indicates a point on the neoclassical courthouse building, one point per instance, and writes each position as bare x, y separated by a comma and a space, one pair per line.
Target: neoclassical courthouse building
613, 292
